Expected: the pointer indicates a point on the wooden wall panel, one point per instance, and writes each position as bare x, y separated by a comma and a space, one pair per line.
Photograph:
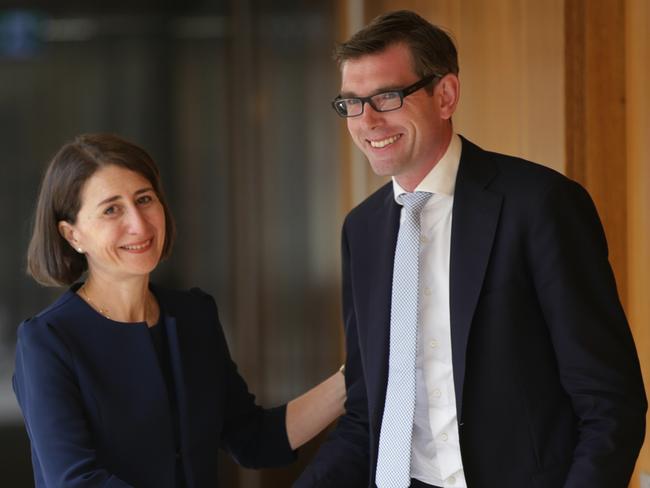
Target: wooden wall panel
595, 94
512, 80
637, 29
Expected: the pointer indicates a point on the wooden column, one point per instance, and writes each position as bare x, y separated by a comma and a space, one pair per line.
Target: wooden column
608, 122
637, 28
595, 116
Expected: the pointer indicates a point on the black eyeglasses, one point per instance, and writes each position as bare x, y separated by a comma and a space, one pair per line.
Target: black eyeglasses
381, 102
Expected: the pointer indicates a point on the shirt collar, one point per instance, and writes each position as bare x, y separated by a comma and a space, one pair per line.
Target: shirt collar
442, 177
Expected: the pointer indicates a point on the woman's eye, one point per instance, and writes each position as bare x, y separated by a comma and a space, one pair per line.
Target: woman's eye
110, 210
145, 199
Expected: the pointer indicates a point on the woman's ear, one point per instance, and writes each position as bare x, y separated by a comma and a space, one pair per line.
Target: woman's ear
68, 232
448, 93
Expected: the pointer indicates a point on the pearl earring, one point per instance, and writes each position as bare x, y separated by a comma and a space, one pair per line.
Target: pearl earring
79, 250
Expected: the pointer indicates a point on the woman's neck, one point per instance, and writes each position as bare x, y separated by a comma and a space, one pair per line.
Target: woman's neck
128, 300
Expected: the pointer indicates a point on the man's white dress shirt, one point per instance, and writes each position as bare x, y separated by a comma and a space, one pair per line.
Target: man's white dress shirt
435, 451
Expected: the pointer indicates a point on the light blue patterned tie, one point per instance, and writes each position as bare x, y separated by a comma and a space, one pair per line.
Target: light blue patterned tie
394, 458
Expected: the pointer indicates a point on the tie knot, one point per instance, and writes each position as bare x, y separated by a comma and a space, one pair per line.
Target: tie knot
414, 201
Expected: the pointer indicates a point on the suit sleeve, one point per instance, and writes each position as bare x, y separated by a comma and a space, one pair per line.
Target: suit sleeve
44, 382
596, 356
256, 437
343, 459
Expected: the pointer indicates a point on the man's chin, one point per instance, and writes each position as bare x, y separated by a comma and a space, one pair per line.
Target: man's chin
383, 168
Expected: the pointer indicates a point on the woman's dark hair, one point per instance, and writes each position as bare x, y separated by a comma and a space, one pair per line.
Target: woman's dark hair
432, 49
51, 260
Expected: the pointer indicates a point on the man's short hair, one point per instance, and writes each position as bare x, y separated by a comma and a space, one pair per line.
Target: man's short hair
432, 49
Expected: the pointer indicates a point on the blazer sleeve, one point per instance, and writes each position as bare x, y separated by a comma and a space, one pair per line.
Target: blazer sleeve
256, 437
343, 459
50, 399
596, 356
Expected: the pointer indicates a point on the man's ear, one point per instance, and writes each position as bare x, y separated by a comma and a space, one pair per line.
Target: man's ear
447, 93
68, 232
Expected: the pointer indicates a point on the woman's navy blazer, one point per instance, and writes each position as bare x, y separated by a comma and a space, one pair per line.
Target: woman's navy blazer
96, 406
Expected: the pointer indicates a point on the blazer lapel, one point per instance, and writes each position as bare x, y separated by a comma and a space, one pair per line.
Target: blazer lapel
377, 271
179, 385
474, 222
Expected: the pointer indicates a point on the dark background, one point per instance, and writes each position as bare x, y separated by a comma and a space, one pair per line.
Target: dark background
231, 98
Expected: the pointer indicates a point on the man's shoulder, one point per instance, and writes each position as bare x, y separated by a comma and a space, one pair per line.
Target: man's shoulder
508, 173
473, 154
379, 200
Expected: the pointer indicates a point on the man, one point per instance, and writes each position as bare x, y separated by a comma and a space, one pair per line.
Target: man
490, 350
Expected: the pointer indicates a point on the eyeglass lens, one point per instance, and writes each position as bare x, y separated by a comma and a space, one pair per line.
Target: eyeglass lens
382, 102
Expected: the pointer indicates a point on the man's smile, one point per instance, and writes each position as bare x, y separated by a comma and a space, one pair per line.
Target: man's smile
384, 142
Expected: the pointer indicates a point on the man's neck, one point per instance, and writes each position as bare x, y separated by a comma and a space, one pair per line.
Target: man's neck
410, 181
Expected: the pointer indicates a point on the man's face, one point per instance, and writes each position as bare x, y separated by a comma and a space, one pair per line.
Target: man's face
404, 143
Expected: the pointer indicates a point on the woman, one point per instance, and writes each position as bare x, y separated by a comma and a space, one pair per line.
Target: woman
121, 382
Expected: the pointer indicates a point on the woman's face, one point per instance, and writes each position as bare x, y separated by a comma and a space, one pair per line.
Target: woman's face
120, 226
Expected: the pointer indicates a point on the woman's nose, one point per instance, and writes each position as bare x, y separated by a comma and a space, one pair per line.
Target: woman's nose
136, 221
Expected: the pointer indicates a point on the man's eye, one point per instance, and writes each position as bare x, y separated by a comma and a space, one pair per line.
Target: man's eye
387, 96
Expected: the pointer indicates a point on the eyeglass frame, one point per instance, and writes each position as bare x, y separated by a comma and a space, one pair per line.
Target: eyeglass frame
403, 93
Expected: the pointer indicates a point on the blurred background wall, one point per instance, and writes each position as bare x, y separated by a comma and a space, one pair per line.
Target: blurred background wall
232, 100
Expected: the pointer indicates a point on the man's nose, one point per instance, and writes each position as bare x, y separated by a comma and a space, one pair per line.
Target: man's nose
370, 117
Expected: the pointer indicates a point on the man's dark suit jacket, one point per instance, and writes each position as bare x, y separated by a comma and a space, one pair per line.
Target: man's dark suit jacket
548, 388
96, 407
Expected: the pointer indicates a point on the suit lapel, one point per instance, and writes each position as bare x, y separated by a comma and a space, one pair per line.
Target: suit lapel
474, 222
382, 225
